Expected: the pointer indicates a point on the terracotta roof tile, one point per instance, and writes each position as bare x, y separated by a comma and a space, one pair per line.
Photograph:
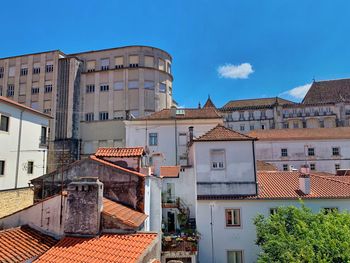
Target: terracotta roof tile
24, 107
94, 158
168, 114
23, 243
264, 166
169, 171
328, 91
119, 152
122, 213
259, 103
221, 133
302, 134
209, 103
107, 248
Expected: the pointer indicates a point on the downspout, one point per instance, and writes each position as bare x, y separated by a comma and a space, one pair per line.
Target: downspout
175, 142
256, 183
212, 234
18, 148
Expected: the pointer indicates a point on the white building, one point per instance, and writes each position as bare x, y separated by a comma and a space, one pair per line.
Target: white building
23, 144
168, 131
228, 232
323, 149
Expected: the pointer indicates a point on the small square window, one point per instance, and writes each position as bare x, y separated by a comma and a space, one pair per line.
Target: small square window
4, 123
233, 217
90, 88
335, 151
153, 139
162, 87
235, 256
2, 167
36, 70
89, 116
285, 125
312, 166
35, 90
24, 71
103, 116
328, 210
105, 64
241, 127
337, 166
49, 68
285, 167
252, 127
48, 88
217, 159
273, 210
104, 87
311, 151
284, 152
30, 167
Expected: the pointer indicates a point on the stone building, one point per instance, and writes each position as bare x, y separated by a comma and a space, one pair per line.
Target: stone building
88, 89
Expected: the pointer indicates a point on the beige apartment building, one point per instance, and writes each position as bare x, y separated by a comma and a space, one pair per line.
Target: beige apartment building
88, 89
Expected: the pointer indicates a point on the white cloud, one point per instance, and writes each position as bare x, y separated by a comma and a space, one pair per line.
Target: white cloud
298, 92
230, 71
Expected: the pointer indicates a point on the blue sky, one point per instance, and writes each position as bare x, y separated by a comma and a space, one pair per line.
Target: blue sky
277, 45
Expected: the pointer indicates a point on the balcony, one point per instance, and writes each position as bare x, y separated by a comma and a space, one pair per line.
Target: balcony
183, 242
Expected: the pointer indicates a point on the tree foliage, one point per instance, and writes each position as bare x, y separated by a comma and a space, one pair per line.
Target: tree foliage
298, 235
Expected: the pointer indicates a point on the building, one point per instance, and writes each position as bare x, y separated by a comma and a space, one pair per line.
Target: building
23, 140
165, 134
323, 149
85, 91
231, 234
326, 105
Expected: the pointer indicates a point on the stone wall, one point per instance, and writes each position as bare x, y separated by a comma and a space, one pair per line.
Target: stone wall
14, 200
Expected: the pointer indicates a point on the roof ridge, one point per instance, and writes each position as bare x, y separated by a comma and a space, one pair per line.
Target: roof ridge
329, 179
331, 80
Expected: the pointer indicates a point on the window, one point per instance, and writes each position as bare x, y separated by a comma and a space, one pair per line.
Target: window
90, 66
119, 85
284, 152
153, 139
1, 72
161, 64
47, 111
273, 210
4, 123
105, 64
295, 125
36, 68
233, 217
30, 167
90, 88
43, 136
149, 84
251, 115
149, 61
133, 61
2, 167
12, 71
169, 68
104, 87
217, 159
322, 123
35, 90
133, 84
48, 88
335, 151
49, 68
24, 71
312, 166
311, 151
263, 126
285, 125
337, 166
241, 127
241, 115
328, 210
119, 62
263, 114
162, 87
235, 256
89, 116
182, 138
0, 90
251, 127
103, 115
10, 90
285, 167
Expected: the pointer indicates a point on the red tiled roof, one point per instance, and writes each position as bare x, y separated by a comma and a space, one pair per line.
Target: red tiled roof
122, 213
209, 103
276, 185
302, 134
23, 243
169, 171
107, 248
94, 158
119, 152
23, 107
264, 166
259, 103
168, 114
221, 133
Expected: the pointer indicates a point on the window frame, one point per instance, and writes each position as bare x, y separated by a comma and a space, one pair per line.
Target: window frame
8, 123
338, 150
312, 167
30, 168
285, 167
153, 135
284, 154
218, 163
311, 151
235, 250
2, 167
239, 225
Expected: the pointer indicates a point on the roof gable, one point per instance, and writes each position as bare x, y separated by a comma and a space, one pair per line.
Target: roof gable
209, 103
120, 152
221, 133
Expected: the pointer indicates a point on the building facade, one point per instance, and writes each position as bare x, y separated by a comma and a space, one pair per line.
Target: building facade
88, 87
23, 140
323, 149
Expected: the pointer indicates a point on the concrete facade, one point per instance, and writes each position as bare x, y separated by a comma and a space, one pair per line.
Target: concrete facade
16, 199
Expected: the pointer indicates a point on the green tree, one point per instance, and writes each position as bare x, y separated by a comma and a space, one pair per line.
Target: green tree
298, 235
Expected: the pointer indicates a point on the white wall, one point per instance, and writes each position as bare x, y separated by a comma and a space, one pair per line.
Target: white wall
270, 151
242, 238
153, 204
29, 147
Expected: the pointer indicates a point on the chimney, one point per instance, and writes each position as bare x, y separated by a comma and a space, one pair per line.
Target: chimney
190, 132
173, 112
304, 180
157, 160
199, 105
84, 207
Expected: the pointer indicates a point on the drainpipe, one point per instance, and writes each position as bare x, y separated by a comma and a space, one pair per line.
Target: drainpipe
176, 162
256, 183
212, 234
18, 148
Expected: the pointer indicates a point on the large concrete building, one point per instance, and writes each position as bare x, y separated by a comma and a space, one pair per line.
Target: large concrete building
89, 87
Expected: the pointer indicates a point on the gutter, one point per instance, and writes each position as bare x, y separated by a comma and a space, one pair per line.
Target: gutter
18, 148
